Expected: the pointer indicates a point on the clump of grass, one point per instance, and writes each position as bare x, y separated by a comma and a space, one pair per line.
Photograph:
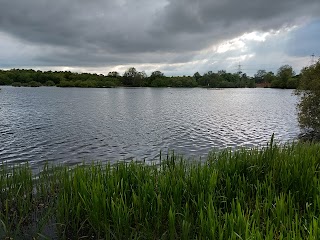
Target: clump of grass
269, 193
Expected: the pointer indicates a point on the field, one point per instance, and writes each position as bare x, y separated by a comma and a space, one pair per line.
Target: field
259, 193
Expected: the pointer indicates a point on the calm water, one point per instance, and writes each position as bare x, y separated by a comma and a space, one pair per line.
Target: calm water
76, 125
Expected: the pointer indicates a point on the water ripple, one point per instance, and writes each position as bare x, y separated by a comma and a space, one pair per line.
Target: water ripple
74, 125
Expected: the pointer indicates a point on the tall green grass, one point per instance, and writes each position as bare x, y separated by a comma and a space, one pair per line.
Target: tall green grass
269, 193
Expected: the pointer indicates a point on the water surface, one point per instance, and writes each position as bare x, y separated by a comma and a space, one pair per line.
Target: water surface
72, 125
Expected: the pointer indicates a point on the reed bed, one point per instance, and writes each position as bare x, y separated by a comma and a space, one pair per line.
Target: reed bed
259, 193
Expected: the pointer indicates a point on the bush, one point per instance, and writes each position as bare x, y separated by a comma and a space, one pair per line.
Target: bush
49, 83
34, 84
309, 105
292, 83
17, 84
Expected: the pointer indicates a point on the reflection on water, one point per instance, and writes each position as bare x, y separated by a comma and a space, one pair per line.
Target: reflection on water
75, 125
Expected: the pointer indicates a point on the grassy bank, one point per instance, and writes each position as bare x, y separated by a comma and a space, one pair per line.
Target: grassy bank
270, 193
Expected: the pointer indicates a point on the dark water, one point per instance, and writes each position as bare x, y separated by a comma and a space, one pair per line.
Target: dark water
76, 125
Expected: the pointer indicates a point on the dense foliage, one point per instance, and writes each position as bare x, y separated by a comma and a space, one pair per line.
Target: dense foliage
309, 106
285, 78
222, 79
271, 193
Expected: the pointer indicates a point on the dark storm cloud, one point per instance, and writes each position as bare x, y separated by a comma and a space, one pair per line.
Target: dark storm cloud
100, 32
198, 16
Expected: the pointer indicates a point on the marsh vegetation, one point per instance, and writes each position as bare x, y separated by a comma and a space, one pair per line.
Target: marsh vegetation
269, 193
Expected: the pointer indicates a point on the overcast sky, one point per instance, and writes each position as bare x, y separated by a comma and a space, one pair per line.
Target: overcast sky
177, 37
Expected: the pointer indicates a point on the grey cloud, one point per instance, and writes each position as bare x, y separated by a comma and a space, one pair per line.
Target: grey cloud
88, 24
192, 16
100, 32
219, 20
305, 41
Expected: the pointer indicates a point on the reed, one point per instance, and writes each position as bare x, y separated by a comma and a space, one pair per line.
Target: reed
259, 193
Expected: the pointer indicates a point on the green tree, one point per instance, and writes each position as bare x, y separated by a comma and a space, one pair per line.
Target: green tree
159, 82
139, 79
309, 105
156, 74
269, 77
284, 74
293, 82
259, 77
129, 76
113, 74
4, 79
214, 80
197, 76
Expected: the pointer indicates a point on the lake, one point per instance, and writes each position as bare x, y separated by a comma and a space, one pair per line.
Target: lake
72, 125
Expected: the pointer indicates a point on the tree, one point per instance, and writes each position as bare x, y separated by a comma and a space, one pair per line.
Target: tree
197, 76
309, 105
4, 79
269, 77
129, 76
214, 80
113, 74
284, 73
139, 79
156, 74
132, 77
259, 77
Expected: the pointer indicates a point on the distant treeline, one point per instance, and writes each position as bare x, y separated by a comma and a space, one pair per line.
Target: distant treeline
285, 78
